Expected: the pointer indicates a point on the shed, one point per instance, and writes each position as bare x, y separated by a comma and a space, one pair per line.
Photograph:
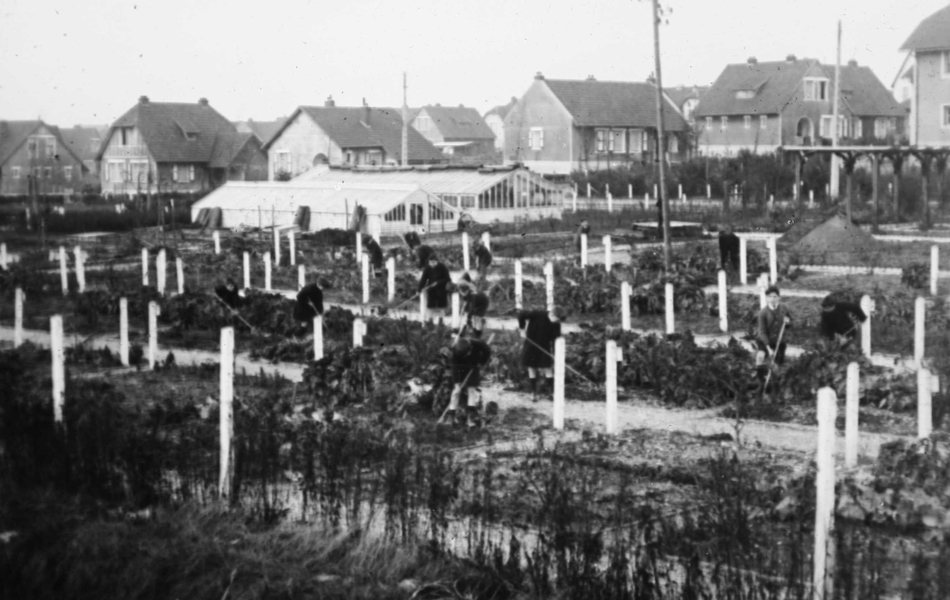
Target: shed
391, 209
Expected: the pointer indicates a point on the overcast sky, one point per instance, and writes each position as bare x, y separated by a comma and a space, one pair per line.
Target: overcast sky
74, 62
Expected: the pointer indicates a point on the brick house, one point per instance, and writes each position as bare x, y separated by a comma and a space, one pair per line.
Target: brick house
171, 146
322, 136
32, 151
459, 132
559, 126
924, 80
759, 106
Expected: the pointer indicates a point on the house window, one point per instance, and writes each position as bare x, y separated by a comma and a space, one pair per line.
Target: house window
747, 122
601, 140
880, 128
745, 94
16, 172
763, 122
68, 172
468, 201
47, 172
282, 161
536, 138
816, 88
396, 214
672, 144
858, 128
123, 139
617, 141
31, 145
723, 123
945, 115
50, 147
636, 140
945, 63
709, 125
825, 127
423, 123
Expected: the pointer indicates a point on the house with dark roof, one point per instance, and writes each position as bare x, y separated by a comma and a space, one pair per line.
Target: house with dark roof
84, 141
459, 132
331, 135
33, 153
559, 126
263, 130
924, 80
686, 98
495, 119
759, 106
173, 146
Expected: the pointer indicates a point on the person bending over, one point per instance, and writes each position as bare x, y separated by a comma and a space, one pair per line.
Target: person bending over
309, 304
433, 281
840, 319
468, 356
228, 293
539, 330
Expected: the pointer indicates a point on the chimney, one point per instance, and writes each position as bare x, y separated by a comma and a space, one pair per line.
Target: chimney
203, 101
752, 60
539, 75
365, 112
329, 102
143, 99
852, 63
591, 78
790, 58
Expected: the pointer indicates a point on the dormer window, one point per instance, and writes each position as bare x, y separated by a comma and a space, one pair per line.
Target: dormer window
745, 94
816, 88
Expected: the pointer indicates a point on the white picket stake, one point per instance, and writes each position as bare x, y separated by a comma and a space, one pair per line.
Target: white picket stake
625, 305
63, 272
773, 261
743, 261
559, 383
3, 255
153, 312
58, 351
606, 189
466, 260
708, 192
292, 240
669, 308
549, 285
317, 337
824, 495
226, 413
423, 306
519, 290
301, 276
145, 267
247, 271
19, 300
924, 404
920, 309
357, 332
762, 284
583, 250
217, 241
124, 331
486, 240
630, 191
851, 417
359, 245
160, 271
390, 279
679, 191
80, 270
723, 303
610, 203
365, 277
588, 190
276, 246
771, 202
612, 415
574, 201
267, 272
934, 264
867, 306
180, 272
608, 257
456, 317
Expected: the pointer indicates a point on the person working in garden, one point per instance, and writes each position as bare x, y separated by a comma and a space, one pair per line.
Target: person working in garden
539, 329
583, 228
309, 304
420, 250
371, 247
228, 293
840, 320
729, 248
474, 306
432, 283
483, 259
468, 356
774, 321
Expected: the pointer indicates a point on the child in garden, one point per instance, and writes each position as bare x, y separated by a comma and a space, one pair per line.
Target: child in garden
468, 356
774, 320
474, 306
433, 281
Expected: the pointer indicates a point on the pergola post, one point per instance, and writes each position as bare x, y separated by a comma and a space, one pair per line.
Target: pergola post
875, 185
898, 161
849, 161
924, 159
799, 168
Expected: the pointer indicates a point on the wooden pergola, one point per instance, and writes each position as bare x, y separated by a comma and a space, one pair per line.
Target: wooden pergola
928, 156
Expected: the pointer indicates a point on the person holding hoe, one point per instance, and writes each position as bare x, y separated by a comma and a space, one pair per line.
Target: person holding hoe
228, 293
309, 304
774, 320
483, 260
371, 247
468, 356
840, 320
474, 307
433, 281
421, 251
539, 329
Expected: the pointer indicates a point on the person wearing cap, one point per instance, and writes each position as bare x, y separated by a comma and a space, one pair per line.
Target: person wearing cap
840, 319
483, 259
421, 251
468, 356
228, 293
371, 247
433, 282
773, 320
309, 304
539, 330
474, 305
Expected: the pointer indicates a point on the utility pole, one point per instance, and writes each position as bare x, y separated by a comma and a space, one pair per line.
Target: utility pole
660, 149
405, 123
835, 178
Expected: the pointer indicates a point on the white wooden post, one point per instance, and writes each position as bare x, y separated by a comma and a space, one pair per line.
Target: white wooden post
18, 300
584, 250
811, 198
549, 285
669, 308
365, 277
456, 317
851, 417
920, 309
588, 190
58, 350
226, 413
708, 192
423, 306
559, 383
608, 257
317, 337
267, 272
486, 240
519, 295
574, 200
763, 284
276, 246
180, 272
160, 271
610, 202
63, 272
391, 278
153, 312
292, 240
606, 189
124, 331
723, 303
934, 262
612, 415
217, 241
247, 271
466, 260
301, 276
625, 305
630, 191
656, 193
357, 332
679, 191
773, 261
825, 495
3, 255
359, 245
80, 270
924, 404
743, 261
867, 306
771, 202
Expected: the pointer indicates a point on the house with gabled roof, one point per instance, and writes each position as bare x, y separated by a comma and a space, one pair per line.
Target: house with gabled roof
264, 130
924, 80
330, 135
33, 156
459, 132
174, 146
495, 119
559, 126
759, 106
686, 98
84, 141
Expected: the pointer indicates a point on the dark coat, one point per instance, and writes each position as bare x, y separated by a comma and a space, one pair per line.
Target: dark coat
581, 229
437, 277
542, 332
476, 305
842, 318
423, 253
309, 303
482, 256
375, 253
231, 298
729, 249
770, 325
463, 363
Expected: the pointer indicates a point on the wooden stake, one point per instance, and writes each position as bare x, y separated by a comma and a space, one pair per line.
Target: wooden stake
19, 300
124, 331
153, 312
608, 257
276, 246
924, 404
390, 279
584, 250
180, 273
486, 240
217, 241
825, 495
3, 255
743, 261
358, 332
455, 311
466, 261
612, 415
63, 272
423, 306
359, 245
867, 306
851, 417
317, 337
559, 383
226, 412
549, 285
773, 261
267, 272
80, 270
625, 305
292, 240
669, 309
247, 271
301, 276
365, 277
920, 310
58, 351
934, 262
519, 290
723, 303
